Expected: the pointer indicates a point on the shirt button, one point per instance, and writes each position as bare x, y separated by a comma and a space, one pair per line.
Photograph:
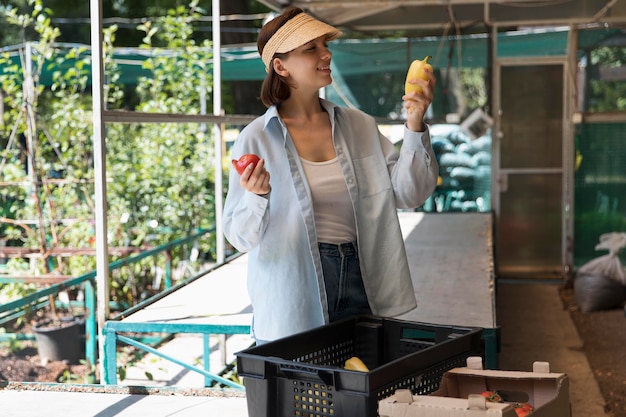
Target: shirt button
339, 150
350, 180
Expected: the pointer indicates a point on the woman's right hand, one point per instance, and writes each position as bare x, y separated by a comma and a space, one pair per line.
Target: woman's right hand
417, 104
255, 178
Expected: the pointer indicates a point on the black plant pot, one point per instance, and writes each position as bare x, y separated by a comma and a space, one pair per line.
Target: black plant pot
59, 340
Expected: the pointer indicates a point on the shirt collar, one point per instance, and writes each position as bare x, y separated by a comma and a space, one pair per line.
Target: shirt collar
272, 112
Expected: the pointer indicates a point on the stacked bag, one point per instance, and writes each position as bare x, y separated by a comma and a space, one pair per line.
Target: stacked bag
464, 168
600, 284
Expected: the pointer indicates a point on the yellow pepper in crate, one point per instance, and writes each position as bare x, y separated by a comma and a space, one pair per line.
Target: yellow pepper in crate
356, 364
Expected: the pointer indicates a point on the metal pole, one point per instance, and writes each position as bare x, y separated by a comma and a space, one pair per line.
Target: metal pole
217, 129
99, 149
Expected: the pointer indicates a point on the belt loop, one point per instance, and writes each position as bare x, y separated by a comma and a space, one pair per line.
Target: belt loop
350, 246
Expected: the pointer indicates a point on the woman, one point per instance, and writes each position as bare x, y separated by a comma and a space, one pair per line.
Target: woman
322, 232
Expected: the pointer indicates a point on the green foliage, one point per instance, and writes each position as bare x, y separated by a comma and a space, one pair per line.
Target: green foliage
609, 56
14, 290
605, 94
121, 373
474, 89
162, 184
12, 345
89, 377
159, 176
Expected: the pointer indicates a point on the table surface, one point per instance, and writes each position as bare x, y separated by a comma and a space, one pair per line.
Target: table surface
451, 262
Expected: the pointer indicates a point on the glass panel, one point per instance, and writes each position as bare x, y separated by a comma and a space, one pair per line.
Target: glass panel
529, 228
530, 222
532, 122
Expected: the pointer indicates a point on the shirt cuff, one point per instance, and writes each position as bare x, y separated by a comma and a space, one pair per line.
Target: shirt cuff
257, 203
416, 140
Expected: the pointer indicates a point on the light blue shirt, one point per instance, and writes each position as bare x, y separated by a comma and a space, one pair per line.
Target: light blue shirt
285, 281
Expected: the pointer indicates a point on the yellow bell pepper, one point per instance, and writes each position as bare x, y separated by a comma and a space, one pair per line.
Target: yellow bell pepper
416, 70
356, 364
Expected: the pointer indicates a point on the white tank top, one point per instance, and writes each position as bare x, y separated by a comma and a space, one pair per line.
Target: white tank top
334, 215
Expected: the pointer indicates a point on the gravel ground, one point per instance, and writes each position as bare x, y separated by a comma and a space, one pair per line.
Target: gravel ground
603, 334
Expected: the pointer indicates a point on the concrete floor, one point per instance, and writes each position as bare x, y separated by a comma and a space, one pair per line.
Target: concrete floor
37, 403
535, 327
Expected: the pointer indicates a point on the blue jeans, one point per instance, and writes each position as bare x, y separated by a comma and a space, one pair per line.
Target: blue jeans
344, 284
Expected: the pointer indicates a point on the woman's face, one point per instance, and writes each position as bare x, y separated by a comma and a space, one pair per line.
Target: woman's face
309, 65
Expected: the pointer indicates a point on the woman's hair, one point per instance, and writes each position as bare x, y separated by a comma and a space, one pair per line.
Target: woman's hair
275, 88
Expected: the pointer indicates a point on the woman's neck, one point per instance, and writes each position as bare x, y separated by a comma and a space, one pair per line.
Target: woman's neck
297, 107
310, 129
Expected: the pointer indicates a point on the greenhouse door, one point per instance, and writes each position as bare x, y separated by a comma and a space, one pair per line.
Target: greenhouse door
529, 187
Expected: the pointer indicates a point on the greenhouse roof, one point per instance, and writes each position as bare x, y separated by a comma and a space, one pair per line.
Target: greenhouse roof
430, 17
350, 56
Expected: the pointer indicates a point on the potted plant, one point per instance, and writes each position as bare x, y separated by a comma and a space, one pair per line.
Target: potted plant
58, 336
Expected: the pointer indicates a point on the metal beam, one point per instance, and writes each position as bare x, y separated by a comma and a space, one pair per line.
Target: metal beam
217, 129
99, 149
120, 116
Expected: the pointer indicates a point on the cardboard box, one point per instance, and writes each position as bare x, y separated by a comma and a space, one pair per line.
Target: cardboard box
435, 406
459, 395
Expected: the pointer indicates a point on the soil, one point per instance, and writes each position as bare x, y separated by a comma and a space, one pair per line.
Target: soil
23, 364
20, 360
603, 334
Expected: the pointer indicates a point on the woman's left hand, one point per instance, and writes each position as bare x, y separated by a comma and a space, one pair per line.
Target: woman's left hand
416, 104
255, 178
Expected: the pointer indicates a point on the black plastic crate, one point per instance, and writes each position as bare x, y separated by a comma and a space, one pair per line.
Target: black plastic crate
303, 375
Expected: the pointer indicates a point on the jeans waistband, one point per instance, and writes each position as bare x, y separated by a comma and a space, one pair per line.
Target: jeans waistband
342, 249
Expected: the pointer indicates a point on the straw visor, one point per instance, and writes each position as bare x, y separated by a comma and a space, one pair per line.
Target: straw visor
299, 30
